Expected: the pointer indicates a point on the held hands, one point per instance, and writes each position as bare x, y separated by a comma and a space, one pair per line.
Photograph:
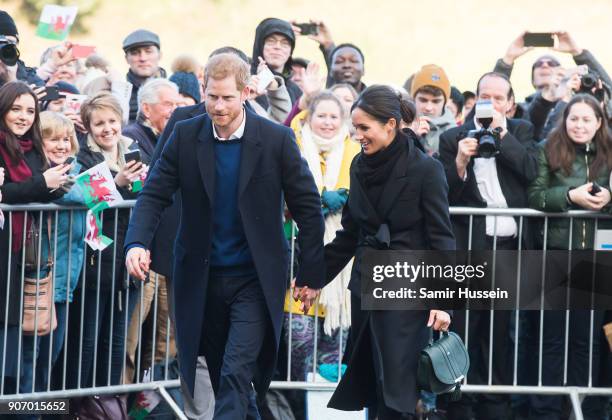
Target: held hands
306, 295
137, 262
438, 320
130, 173
582, 197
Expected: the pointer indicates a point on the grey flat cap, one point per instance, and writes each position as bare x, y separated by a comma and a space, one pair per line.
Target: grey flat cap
140, 38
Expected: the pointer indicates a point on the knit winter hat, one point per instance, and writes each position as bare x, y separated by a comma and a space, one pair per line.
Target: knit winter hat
188, 84
7, 25
431, 75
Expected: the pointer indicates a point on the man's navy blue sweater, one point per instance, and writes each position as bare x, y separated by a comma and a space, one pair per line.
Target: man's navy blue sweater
230, 249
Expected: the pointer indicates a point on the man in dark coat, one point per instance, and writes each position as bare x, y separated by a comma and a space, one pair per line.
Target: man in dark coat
230, 257
157, 100
500, 181
142, 53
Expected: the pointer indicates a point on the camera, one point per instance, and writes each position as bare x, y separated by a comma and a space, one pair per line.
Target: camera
487, 137
9, 54
588, 85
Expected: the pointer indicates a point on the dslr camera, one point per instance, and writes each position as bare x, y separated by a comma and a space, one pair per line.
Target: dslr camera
9, 54
588, 84
487, 137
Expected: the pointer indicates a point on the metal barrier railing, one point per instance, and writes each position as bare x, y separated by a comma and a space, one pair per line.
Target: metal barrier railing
91, 359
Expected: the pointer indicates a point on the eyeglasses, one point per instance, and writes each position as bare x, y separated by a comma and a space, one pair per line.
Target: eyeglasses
272, 42
549, 62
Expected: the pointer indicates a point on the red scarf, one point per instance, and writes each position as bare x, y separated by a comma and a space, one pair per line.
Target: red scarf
17, 173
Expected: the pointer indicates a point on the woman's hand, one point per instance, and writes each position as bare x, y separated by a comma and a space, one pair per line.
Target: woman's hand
56, 176
581, 196
130, 173
439, 320
1, 176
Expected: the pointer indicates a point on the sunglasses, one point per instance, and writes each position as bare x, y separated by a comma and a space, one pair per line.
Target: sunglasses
548, 62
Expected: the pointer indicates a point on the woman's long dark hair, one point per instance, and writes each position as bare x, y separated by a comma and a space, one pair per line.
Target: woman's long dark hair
561, 150
8, 94
383, 103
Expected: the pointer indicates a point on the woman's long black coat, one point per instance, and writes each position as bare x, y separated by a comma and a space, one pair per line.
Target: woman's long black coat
415, 207
32, 190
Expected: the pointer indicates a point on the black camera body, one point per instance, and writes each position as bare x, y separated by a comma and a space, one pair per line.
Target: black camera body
487, 141
9, 54
588, 85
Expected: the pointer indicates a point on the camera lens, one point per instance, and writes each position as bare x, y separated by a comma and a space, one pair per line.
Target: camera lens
588, 82
486, 146
9, 54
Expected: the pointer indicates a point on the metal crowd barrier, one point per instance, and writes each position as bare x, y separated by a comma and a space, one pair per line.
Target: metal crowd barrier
62, 384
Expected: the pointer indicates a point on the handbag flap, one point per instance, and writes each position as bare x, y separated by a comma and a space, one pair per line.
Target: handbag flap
449, 358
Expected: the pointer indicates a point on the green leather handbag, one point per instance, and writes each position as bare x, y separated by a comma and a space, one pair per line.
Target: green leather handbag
443, 364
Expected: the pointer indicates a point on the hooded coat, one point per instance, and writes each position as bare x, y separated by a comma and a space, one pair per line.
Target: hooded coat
266, 28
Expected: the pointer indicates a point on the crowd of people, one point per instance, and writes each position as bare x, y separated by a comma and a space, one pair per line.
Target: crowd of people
379, 168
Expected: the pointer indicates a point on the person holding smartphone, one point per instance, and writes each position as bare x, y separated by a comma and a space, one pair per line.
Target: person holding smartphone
573, 171
546, 74
27, 178
107, 285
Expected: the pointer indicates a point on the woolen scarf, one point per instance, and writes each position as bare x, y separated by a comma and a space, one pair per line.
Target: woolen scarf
18, 173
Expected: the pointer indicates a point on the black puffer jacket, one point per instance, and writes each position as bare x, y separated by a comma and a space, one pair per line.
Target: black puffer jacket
266, 28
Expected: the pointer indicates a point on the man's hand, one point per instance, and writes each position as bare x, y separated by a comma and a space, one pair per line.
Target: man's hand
439, 320
307, 296
422, 125
550, 91
62, 54
324, 36
137, 262
499, 121
467, 148
516, 49
566, 44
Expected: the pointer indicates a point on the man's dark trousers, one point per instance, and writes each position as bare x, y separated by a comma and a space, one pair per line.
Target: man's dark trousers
235, 325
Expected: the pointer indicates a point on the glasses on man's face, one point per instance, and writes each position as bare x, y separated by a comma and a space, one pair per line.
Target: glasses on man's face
272, 42
549, 63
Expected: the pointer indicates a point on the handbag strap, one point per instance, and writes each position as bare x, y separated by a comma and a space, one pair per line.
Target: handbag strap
50, 250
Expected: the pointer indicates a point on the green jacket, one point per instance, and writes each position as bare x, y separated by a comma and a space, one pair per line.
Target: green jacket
548, 192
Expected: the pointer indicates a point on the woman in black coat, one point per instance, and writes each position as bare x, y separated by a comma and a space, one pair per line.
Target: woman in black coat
398, 201
27, 179
104, 298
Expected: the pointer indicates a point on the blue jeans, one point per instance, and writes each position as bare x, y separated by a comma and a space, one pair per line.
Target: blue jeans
102, 348
44, 348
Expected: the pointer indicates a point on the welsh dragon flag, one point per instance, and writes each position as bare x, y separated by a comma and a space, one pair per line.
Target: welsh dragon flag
55, 21
100, 192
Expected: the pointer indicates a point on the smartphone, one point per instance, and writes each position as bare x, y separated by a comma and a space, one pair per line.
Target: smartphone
308, 28
69, 160
265, 78
595, 189
133, 155
82, 51
52, 94
539, 39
